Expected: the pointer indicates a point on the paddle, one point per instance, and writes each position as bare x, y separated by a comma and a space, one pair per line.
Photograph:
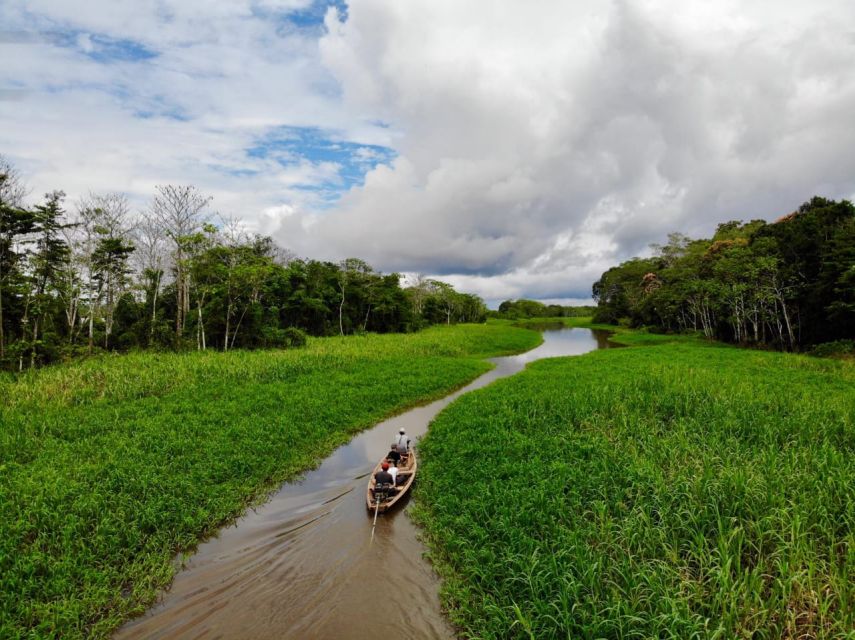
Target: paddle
376, 511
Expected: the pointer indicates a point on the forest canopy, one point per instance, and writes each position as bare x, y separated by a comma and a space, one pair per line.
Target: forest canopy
95, 276
522, 308
788, 284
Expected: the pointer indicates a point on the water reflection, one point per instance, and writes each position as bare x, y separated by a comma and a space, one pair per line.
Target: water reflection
566, 342
304, 565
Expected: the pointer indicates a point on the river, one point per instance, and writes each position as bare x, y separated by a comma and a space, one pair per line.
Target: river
304, 564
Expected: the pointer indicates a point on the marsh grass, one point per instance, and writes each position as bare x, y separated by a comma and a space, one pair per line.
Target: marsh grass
109, 467
685, 490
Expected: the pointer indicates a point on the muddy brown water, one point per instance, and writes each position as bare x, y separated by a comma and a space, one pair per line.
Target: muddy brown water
304, 564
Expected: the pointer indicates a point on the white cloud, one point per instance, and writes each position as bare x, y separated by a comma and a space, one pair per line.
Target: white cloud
537, 144
212, 80
541, 145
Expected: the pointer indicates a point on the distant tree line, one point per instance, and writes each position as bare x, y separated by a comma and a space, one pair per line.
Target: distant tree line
522, 308
101, 278
789, 284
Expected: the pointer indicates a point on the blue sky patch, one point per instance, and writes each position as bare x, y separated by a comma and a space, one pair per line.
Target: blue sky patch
291, 145
314, 14
310, 19
102, 48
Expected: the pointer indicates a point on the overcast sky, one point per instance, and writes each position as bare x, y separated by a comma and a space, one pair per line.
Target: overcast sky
515, 149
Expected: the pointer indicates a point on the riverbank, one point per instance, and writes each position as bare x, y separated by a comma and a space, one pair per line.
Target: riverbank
686, 489
296, 566
113, 465
619, 335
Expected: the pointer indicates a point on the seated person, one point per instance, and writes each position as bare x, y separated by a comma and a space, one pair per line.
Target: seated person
404, 453
393, 456
383, 476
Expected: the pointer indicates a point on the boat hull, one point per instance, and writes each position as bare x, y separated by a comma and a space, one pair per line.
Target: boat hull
403, 489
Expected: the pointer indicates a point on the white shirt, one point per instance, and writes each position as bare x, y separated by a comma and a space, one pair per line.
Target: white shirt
402, 439
394, 472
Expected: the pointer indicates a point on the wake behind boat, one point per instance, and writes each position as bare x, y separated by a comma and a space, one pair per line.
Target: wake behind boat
384, 498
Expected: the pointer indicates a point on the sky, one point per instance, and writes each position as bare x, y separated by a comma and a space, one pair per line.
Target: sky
513, 149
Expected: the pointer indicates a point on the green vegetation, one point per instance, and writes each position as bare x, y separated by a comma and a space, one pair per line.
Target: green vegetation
685, 490
620, 335
835, 349
100, 278
110, 466
789, 284
555, 322
522, 309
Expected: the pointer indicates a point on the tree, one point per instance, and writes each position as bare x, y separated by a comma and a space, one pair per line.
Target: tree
180, 212
788, 283
13, 190
100, 269
523, 308
419, 291
352, 272
206, 272
110, 266
150, 240
471, 308
447, 298
838, 277
620, 291
15, 224
70, 287
104, 247
45, 263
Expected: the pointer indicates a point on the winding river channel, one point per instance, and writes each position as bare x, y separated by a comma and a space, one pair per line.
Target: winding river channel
304, 565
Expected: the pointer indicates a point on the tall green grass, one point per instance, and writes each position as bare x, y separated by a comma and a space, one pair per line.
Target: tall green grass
684, 490
110, 466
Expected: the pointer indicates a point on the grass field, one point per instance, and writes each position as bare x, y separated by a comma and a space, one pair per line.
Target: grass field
680, 490
108, 467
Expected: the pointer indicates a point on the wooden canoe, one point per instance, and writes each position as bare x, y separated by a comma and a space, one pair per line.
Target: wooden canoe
402, 488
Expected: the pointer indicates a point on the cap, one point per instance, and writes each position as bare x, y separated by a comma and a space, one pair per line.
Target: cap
401, 430
384, 466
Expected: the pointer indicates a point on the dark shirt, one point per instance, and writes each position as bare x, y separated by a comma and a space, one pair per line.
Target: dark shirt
384, 477
394, 456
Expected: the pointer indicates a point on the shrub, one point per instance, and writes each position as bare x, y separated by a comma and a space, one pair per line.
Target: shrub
836, 349
294, 337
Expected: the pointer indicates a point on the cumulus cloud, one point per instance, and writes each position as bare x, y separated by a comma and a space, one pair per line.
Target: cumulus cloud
513, 149
121, 96
543, 143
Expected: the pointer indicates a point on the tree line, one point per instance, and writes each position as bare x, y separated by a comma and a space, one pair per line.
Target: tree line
96, 276
789, 284
523, 308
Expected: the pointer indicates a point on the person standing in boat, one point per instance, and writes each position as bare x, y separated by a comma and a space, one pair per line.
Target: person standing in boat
402, 441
